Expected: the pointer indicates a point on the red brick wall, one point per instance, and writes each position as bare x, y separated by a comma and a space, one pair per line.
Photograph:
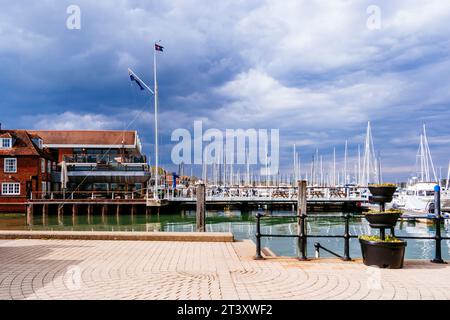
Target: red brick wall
27, 167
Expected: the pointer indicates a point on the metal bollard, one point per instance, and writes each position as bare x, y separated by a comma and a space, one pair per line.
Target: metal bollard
347, 238
302, 239
258, 237
438, 218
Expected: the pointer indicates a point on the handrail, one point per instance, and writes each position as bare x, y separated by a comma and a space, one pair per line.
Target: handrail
303, 235
106, 158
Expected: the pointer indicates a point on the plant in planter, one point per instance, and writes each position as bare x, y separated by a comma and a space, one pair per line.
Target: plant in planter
387, 218
383, 251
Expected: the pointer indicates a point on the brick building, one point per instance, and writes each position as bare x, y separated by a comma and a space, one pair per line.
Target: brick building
97, 160
25, 167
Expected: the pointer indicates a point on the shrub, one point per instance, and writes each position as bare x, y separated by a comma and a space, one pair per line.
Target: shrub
378, 239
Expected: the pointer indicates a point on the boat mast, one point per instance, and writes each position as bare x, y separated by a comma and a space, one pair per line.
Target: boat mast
334, 166
428, 153
345, 162
156, 196
448, 177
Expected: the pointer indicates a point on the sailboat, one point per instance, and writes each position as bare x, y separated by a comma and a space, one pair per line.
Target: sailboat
418, 196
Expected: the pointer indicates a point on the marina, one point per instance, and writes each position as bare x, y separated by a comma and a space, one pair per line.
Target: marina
179, 150
242, 225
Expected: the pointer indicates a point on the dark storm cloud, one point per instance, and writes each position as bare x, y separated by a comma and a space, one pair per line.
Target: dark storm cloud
312, 69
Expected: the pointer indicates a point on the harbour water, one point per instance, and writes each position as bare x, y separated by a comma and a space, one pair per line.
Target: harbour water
242, 225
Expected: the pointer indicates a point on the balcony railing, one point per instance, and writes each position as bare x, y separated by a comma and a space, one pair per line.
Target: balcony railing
103, 159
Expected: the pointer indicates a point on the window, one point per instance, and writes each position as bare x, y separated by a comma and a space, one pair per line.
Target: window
6, 143
44, 188
38, 142
42, 165
10, 189
10, 165
49, 166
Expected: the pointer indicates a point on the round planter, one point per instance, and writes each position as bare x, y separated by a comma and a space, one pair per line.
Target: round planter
383, 254
382, 220
382, 194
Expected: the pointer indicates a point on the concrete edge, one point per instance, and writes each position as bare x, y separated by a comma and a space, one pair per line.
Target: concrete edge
125, 236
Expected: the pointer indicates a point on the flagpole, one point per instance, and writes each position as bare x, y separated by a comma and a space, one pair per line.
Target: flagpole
156, 196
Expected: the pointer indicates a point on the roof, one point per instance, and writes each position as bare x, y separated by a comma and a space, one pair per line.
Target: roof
6, 135
86, 138
22, 145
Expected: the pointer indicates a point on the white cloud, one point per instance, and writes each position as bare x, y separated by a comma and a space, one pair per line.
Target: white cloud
72, 121
260, 99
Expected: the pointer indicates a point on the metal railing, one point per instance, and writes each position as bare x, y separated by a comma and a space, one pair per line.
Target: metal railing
303, 236
275, 192
137, 167
87, 195
103, 158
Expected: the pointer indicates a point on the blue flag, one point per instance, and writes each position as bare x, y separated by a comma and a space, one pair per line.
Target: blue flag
133, 78
158, 47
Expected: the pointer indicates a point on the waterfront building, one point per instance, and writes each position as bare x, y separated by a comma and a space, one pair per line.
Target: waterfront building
101, 160
26, 166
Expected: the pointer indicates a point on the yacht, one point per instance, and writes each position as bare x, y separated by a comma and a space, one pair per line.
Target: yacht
418, 197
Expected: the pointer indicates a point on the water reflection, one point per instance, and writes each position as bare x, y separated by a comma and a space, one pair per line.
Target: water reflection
242, 225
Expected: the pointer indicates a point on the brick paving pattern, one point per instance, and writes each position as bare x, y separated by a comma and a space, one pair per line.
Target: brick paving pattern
91, 269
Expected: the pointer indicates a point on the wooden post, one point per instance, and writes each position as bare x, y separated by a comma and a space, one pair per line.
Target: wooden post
301, 199
30, 214
60, 213
104, 212
301, 219
89, 213
74, 213
117, 213
133, 209
74, 209
44, 213
201, 208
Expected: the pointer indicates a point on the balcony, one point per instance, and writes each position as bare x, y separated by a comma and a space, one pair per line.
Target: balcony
105, 169
104, 159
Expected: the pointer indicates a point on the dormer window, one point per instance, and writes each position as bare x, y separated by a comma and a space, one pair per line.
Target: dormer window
38, 142
6, 143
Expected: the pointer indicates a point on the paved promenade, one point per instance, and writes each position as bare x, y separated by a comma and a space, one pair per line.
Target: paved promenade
92, 269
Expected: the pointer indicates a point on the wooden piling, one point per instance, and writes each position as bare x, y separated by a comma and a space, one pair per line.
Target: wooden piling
74, 214
133, 209
201, 208
301, 198
30, 214
44, 214
74, 210
301, 219
118, 214
89, 213
104, 212
60, 213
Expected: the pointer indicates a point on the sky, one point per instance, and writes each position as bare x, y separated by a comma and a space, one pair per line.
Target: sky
316, 70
